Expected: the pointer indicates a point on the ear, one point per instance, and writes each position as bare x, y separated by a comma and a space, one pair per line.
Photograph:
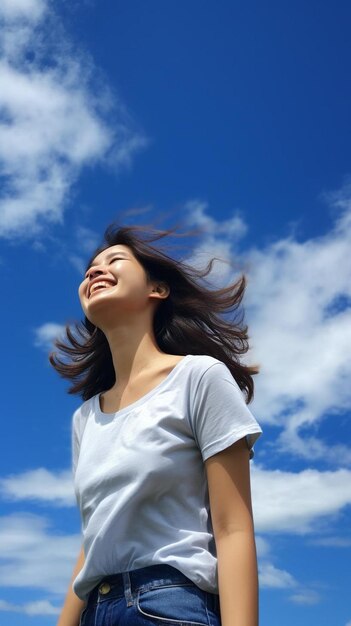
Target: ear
160, 290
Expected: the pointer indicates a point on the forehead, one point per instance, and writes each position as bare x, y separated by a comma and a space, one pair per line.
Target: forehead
109, 252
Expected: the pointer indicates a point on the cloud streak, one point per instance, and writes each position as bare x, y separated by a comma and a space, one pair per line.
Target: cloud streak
284, 502
17, 9
45, 335
305, 597
40, 485
274, 578
294, 502
39, 607
51, 123
34, 557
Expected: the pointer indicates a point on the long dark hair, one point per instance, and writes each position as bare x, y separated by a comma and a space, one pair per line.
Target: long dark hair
189, 321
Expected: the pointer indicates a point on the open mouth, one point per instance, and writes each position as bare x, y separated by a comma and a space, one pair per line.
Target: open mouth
99, 286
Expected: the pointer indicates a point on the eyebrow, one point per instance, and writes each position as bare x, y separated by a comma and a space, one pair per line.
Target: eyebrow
109, 256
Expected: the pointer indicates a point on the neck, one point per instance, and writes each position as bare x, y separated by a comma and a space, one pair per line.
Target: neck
133, 347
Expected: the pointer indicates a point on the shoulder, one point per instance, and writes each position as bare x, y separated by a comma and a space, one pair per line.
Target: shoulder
81, 416
213, 382
205, 364
205, 370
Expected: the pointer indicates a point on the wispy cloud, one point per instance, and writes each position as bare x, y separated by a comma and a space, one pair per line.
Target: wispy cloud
29, 9
273, 577
39, 607
218, 238
45, 334
292, 502
234, 227
87, 241
306, 597
262, 546
298, 306
332, 542
33, 556
40, 485
51, 123
300, 311
285, 502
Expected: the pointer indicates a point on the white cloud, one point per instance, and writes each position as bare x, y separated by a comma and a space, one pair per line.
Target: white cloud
332, 542
39, 607
217, 239
283, 502
87, 241
196, 215
31, 556
299, 298
271, 576
41, 485
78, 263
47, 333
29, 9
291, 502
51, 123
262, 546
305, 597
298, 306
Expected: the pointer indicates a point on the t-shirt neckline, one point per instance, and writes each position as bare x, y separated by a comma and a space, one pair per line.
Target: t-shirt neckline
143, 398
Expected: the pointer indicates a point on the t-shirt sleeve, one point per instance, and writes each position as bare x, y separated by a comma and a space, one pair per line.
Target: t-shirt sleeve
78, 424
220, 415
75, 441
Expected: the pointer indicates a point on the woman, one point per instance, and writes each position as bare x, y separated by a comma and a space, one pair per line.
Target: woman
161, 443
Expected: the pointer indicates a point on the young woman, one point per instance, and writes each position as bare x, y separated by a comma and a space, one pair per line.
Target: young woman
161, 443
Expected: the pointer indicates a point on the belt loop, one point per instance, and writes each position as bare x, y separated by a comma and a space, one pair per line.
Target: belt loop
127, 588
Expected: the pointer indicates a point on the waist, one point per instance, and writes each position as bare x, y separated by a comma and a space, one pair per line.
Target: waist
116, 585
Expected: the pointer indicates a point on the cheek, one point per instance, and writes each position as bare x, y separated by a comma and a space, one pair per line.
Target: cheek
134, 279
81, 293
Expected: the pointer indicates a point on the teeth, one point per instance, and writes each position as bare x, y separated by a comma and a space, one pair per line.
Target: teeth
101, 283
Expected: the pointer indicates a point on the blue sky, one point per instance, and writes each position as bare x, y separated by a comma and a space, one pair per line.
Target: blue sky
230, 116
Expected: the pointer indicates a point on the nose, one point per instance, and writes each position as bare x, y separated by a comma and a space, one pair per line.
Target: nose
93, 272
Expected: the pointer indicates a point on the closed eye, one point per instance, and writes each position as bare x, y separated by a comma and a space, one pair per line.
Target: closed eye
115, 258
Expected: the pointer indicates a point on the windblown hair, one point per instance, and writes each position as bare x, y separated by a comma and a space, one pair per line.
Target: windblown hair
189, 321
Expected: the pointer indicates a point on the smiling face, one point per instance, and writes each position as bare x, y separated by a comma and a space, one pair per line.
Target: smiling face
115, 286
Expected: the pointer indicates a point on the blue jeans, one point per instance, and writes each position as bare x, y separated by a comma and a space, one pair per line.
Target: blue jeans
157, 595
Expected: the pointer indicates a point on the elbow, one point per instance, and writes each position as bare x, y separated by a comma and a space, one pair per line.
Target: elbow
232, 529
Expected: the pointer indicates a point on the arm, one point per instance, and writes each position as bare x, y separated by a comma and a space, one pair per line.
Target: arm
73, 606
228, 475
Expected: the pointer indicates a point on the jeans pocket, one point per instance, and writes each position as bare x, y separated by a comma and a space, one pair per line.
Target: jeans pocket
174, 605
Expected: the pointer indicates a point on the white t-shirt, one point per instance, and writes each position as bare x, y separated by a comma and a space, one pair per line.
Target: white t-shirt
139, 473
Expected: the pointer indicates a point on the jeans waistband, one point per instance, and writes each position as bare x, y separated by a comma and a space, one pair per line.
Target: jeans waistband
135, 580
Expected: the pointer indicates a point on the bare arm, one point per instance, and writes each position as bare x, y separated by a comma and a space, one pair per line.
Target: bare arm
73, 606
228, 475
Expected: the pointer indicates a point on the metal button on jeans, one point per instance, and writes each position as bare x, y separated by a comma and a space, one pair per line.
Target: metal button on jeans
104, 588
